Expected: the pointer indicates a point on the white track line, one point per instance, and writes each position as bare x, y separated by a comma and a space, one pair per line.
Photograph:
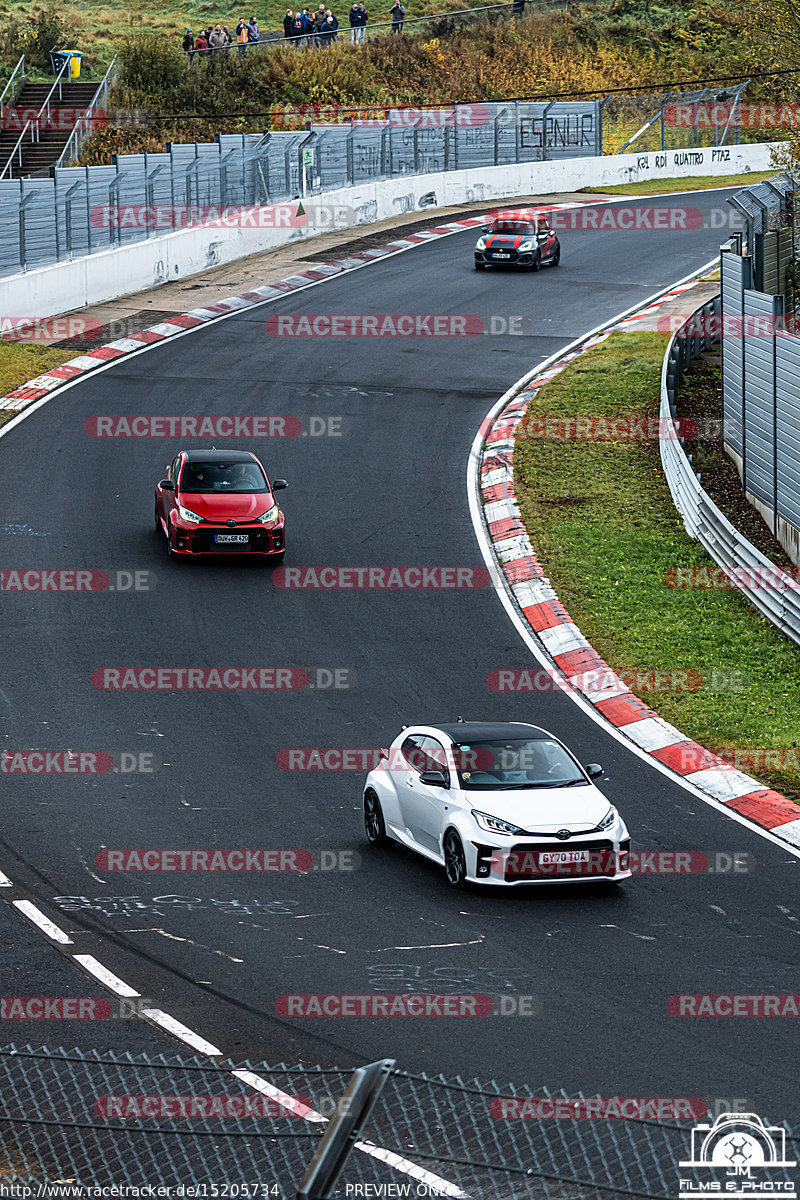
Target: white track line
5, 881
51, 930
181, 1031
104, 976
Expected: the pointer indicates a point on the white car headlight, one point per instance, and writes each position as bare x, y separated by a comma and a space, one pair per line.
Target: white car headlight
186, 514
494, 824
272, 514
608, 820
481, 244
526, 246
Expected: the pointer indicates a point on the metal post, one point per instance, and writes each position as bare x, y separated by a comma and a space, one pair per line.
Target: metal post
517, 133
415, 136
149, 195
348, 156
68, 216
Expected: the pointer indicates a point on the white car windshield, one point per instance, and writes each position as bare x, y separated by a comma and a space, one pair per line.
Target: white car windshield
515, 763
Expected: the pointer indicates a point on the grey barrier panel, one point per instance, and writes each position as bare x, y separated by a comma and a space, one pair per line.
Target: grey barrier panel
760, 311
787, 380
36, 221
735, 273
767, 257
779, 603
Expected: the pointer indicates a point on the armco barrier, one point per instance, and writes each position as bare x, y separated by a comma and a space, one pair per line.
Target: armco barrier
703, 520
92, 279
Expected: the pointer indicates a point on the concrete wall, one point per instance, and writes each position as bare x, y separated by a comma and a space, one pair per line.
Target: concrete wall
109, 274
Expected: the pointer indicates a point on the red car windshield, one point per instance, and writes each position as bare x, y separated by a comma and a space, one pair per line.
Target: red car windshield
198, 477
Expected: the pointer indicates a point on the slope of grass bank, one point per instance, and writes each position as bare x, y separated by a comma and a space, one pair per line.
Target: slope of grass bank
601, 518
20, 362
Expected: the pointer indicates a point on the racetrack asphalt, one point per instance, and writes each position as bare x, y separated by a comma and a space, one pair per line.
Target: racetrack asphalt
217, 951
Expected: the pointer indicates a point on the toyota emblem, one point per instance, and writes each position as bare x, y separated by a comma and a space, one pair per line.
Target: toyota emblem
231, 522
563, 835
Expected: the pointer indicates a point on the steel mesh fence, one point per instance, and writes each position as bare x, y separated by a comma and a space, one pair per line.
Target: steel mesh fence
81, 1117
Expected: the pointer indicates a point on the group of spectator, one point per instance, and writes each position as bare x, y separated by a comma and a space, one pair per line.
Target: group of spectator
307, 29
216, 42
317, 29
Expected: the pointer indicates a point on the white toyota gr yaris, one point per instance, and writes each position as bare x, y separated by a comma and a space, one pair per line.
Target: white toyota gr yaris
502, 803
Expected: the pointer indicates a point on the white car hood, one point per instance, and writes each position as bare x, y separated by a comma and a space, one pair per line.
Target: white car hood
544, 810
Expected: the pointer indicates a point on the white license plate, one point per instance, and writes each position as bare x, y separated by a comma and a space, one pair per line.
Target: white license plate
501, 256
553, 858
227, 539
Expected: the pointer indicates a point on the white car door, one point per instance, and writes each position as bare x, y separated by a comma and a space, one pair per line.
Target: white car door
423, 804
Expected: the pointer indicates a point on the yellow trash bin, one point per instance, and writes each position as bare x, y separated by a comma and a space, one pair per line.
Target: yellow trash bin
75, 57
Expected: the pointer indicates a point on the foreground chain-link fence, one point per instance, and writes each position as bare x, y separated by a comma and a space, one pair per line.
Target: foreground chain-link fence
93, 1119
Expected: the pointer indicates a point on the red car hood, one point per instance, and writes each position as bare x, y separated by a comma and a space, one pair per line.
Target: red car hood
220, 506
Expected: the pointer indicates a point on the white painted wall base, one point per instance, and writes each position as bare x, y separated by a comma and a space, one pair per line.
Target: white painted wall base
92, 279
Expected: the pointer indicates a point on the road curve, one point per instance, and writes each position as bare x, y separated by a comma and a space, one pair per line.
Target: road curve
217, 950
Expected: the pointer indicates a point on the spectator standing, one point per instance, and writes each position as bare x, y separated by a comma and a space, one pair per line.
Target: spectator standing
226, 33
326, 30
518, 8
362, 21
354, 23
241, 35
252, 31
288, 24
201, 44
398, 11
216, 41
309, 29
188, 46
298, 28
334, 24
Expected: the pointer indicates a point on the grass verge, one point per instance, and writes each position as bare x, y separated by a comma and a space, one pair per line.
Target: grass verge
693, 183
601, 518
20, 362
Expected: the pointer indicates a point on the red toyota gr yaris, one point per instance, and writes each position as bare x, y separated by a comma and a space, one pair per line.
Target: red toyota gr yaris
219, 502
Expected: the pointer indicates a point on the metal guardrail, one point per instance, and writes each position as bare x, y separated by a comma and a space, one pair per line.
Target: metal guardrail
84, 126
741, 561
3, 103
33, 124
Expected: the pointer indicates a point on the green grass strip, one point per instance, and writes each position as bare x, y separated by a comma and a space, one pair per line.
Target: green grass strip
693, 183
20, 361
601, 518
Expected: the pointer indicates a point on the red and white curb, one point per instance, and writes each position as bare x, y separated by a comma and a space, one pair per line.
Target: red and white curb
580, 665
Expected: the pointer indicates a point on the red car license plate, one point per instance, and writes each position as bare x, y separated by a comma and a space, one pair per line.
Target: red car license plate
228, 539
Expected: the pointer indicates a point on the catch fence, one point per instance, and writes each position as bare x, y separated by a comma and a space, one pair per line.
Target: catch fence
62, 1118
